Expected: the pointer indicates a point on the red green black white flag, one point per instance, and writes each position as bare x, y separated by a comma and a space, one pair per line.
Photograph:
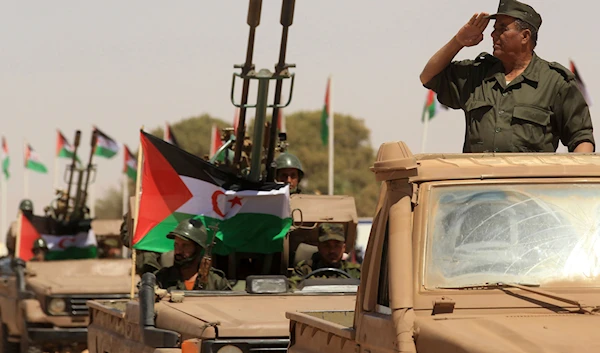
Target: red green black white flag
176, 185
105, 146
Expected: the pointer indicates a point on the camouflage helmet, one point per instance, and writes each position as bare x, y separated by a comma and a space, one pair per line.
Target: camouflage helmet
288, 160
40, 243
190, 229
26, 205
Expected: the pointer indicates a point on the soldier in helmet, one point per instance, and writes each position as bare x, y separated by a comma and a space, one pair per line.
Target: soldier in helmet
332, 245
26, 208
190, 237
40, 249
289, 170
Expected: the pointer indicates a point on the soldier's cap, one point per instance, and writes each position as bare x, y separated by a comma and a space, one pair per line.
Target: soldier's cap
516, 9
331, 231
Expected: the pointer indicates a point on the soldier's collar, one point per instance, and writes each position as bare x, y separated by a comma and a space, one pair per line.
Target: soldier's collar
531, 73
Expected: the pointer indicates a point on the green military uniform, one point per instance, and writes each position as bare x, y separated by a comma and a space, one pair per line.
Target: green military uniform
145, 261
529, 114
316, 262
327, 231
170, 278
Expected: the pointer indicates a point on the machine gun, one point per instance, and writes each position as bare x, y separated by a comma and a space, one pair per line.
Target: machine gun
263, 137
67, 211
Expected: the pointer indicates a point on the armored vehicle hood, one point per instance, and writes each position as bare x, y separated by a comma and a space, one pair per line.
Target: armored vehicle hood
242, 316
80, 276
509, 333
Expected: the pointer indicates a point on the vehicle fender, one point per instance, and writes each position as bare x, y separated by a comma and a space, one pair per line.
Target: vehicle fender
32, 310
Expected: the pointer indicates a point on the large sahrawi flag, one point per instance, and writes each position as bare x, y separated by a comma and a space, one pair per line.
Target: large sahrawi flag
176, 185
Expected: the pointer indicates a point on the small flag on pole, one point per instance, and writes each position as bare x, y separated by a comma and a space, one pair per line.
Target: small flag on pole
33, 162
236, 120
215, 140
169, 136
5, 159
63, 148
105, 146
580, 83
130, 164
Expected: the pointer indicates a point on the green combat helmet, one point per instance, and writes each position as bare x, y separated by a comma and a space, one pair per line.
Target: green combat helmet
193, 230
190, 229
26, 205
40, 244
287, 160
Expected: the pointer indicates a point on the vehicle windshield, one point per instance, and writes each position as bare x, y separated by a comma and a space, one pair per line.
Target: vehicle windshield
520, 233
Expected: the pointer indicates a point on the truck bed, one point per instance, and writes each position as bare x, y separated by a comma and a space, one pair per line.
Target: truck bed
318, 331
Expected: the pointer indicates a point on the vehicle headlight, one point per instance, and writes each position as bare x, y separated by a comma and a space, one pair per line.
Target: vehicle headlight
57, 306
266, 284
229, 349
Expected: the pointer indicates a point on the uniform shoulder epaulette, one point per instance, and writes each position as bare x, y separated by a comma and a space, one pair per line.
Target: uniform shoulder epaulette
486, 57
566, 73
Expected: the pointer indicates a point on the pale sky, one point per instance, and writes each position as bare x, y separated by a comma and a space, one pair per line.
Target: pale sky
123, 64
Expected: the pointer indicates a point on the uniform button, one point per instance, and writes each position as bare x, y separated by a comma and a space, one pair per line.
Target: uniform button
498, 129
501, 112
505, 94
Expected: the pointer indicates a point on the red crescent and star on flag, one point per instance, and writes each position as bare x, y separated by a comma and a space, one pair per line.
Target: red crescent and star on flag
215, 202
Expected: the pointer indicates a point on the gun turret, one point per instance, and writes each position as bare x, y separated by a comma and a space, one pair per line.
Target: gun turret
262, 138
80, 209
62, 214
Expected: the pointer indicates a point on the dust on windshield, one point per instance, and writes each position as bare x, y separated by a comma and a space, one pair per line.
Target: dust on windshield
523, 233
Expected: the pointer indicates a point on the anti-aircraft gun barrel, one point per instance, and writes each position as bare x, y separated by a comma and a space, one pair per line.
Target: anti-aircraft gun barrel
72, 170
287, 18
253, 21
81, 198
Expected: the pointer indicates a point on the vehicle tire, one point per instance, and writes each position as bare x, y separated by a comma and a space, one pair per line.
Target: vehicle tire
5, 346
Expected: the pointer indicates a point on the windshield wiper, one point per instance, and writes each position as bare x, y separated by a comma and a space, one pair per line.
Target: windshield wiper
528, 288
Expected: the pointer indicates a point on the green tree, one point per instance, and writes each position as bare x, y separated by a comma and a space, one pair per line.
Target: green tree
111, 205
353, 155
193, 134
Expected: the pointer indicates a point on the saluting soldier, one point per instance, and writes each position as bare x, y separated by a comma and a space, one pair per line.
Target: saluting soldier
514, 101
332, 245
191, 239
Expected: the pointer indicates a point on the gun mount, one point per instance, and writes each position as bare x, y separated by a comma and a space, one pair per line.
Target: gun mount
244, 155
68, 209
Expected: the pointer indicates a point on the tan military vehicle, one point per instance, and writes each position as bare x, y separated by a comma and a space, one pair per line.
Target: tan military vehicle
473, 253
249, 318
42, 304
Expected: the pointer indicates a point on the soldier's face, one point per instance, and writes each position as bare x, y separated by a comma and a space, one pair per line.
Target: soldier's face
38, 255
332, 250
184, 249
507, 38
288, 176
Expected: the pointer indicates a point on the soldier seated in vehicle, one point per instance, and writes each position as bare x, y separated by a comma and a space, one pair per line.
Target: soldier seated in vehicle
289, 170
332, 245
146, 261
191, 238
39, 250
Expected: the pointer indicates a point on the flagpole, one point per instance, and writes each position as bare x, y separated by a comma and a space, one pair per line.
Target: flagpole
55, 172
92, 200
212, 141
138, 186
330, 128
25, 174
424, 137
4, 214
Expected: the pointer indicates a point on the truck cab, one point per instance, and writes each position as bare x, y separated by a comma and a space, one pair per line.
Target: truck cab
473, 253
249, 318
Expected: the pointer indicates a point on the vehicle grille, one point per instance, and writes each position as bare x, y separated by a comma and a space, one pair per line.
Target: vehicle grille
77, 305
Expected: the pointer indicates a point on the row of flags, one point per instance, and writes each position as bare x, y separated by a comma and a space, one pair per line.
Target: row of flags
432, 106
105, 147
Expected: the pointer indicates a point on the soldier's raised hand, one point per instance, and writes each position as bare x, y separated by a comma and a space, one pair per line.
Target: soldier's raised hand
472, 33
